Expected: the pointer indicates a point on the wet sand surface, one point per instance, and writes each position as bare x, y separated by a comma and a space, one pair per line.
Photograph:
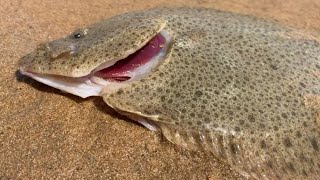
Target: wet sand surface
45, 133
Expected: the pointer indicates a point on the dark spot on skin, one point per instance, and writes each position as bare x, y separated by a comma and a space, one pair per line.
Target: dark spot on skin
233, 148
237, 129
270, 164
305, 124
291, 167
274, 67
284, 115
251, 118
198, 93
302, 85
120, 91
302, 158
287, 142
298, 134
206, 120
263, 144
163, 98
314, 144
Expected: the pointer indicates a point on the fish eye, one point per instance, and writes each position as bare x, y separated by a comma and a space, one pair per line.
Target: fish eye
77, 35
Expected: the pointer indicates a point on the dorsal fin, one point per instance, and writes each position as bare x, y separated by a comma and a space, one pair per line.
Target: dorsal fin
258, 158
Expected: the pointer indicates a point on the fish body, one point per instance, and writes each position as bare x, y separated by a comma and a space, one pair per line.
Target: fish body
244, 89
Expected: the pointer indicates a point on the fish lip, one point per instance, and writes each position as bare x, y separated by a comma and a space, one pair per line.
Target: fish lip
77, 86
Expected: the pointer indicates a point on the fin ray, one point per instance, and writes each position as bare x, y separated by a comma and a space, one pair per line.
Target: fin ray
256, 159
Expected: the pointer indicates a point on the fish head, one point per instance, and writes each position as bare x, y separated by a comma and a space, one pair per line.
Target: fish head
71, 63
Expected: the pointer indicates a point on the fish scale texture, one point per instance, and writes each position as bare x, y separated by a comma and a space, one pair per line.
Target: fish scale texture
242, 88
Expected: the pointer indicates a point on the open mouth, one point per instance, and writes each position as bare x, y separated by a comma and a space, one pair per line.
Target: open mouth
112, 75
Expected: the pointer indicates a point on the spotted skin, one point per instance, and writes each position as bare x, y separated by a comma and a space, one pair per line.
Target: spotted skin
238, 87
242, 88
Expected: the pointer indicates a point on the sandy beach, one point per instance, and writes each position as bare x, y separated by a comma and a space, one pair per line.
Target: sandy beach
45, 133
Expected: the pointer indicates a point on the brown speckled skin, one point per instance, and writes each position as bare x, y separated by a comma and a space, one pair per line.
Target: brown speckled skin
236, 86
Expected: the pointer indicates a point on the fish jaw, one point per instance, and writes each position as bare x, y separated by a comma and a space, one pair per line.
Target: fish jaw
100, 78
81, 86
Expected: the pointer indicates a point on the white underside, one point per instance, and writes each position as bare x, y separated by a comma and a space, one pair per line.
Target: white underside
82, 87
91, 85
147, 124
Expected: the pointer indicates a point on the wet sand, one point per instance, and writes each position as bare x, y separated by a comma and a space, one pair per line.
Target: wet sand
48, 134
